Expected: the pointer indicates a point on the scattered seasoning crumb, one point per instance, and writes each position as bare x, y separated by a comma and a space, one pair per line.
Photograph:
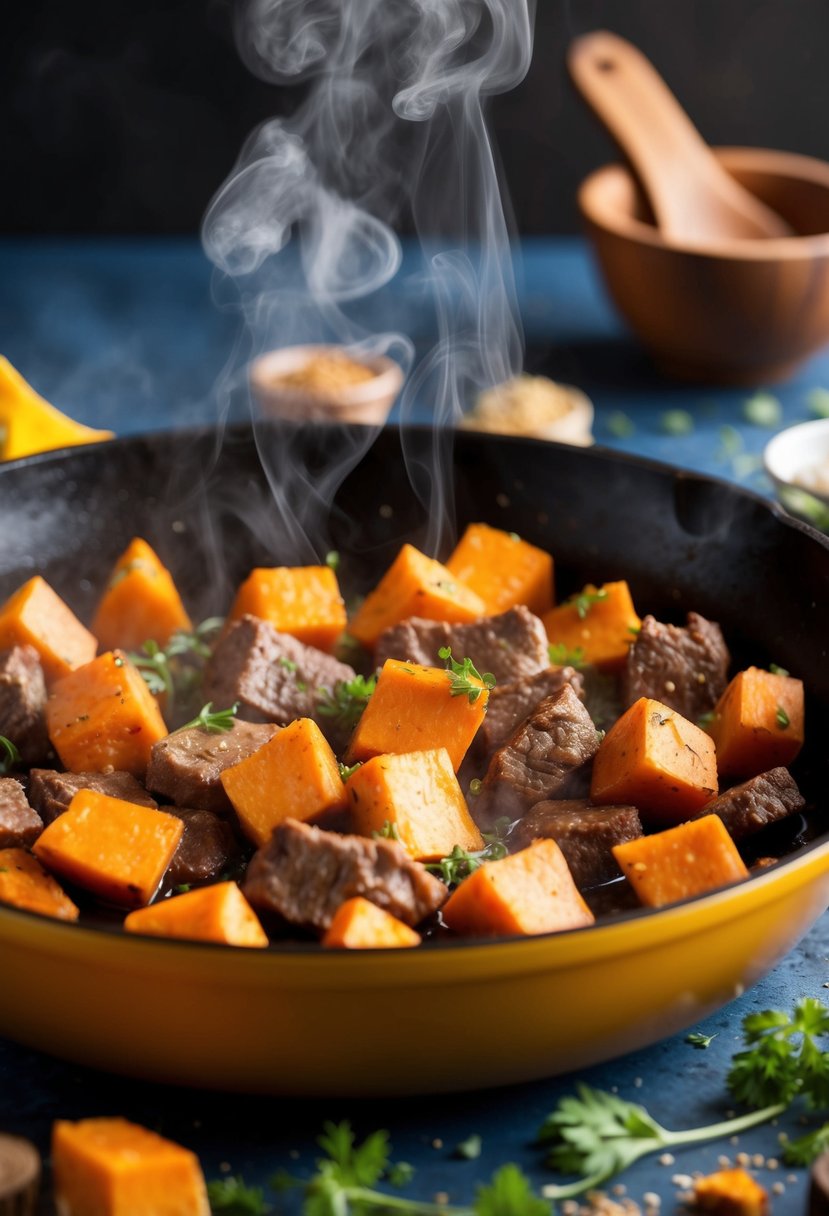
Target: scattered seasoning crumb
778, 1188
734, 1140
791, 1177
682, 1180
651, 1200
437, 1142
670, 686
666, 1159
178, 525
385, 511
686, 1197
502, 499
637, 1082
440, 1197
620, 1189
743, 1159
772, 1163
569, 1208
758, 1161
723, 1162
614, 1089
225, 1167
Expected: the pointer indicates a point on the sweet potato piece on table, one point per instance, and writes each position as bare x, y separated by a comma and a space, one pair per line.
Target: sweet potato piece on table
680, 862
731, 1193
359, 924
219, 913
25, 884
758, 723
36, 616
103, 717
117, 850
503, 569
414, 585
656, 760
419, 794
530, 892
600, 621
294, 776
140, 602
413, 709
304, 601
115, 1168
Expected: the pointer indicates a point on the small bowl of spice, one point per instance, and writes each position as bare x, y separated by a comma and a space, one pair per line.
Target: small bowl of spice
325, 384
797, 461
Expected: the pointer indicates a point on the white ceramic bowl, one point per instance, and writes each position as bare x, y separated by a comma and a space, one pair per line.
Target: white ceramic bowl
789, 457
367, 401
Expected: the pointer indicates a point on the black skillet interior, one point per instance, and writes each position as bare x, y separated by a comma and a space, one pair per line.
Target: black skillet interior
205, 501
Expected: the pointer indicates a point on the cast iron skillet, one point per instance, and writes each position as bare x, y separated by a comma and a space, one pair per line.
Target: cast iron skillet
216, 504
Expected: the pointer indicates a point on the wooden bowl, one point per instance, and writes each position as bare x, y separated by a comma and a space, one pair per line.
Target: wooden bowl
366, 401
735, 312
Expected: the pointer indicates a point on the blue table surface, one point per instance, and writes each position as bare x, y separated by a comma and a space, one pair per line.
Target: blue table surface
133, 335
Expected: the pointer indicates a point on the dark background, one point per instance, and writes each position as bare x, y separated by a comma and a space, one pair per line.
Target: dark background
126, 117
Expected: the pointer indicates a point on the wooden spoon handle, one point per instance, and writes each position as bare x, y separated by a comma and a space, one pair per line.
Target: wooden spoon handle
692, 197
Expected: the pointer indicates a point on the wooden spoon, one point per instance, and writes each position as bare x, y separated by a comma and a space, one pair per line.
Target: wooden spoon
693, 199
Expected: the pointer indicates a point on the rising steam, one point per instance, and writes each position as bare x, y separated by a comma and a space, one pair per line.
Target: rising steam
390, 129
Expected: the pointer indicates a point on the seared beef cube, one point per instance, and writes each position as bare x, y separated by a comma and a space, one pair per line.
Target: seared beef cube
584, 833
548, 757
511, 646
510, 704
685, 668
23, 703
20, 826
187, 765
274, 677
204, 850
303, 874
754, 804
50, 792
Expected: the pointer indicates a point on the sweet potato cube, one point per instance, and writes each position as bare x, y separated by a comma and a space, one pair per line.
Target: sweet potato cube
359, 924
758, 723
503, 570
680, 862
140, 602
218, 913
294, 776
103, 717
731, 1193
414, 585
418, 793
654, 759
412, 709
600, 621
529, 892
36, 616
117, 850
303, 601
109, 1167
25, 884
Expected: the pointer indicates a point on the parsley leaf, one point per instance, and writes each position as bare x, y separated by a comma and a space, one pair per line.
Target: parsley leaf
817, 400
561, 656
462, 674
782, 1058
763, 409
805, 1149
231, 1197
174, 671
585, 599
677, 422
782, 718
470, 1148
697, 1039
216, 721
11, 755
344, 704
460, 863
509, 1194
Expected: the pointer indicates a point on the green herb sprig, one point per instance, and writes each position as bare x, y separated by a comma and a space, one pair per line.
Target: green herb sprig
461, 862
462, 674
344, 704
10, 755
216, 721
561, 656
584, 601
175, 670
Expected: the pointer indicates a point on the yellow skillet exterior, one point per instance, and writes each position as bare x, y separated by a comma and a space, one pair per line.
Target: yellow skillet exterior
386, 1022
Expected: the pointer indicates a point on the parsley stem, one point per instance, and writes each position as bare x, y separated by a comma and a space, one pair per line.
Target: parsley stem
727, 1128
415, 1207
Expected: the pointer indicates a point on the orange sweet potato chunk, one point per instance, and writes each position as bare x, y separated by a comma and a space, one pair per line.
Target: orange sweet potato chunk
654, 759
103, 715
25, 884
603, 628
359, 924
115, 849
731, 1193
304, 601
110, 1167
414, 585
293, 776
412, 709
37, 616
418, 793
530, 892
680, 862
503, 570
218, 913
140, 602
758, 723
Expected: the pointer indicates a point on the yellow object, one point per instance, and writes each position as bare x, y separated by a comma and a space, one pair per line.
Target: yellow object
218, 913
109, 1167
28, 424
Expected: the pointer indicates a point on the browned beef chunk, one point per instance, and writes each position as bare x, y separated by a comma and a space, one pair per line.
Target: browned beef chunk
510, 704
511, 646
20, 826
187, 765
754, 804
303, 875
23, 703
685, 668
274, 677
584, 833
204, 850
548, 757
50, 792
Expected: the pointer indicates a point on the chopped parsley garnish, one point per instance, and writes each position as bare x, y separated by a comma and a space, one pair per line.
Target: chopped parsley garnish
470, 1148
10, 754
288, 664
562, 656
705, 720
817, 400
677, 422
389, 831
776, 670
216, 721
462, 674
585, 600
697, 1039
782, 718
347, 771
461, 862
620, 425
344, 704
174, 671
332, 559
763, 409
230, 1197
